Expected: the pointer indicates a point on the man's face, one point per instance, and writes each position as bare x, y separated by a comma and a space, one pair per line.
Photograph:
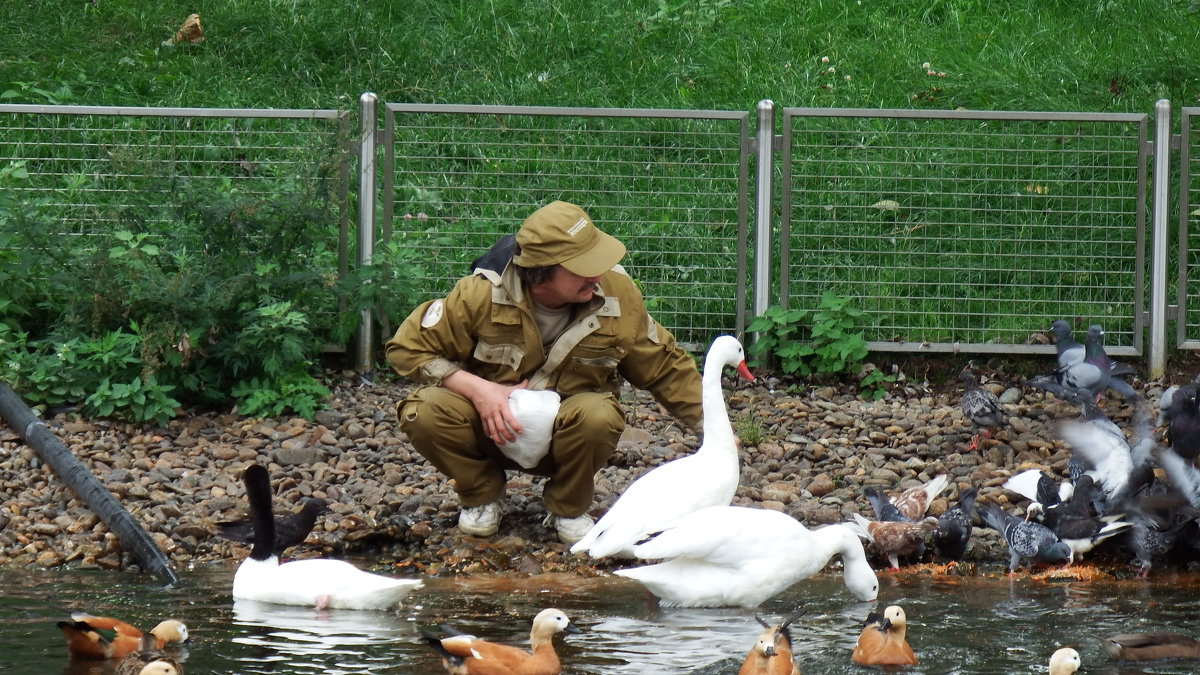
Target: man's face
565, 287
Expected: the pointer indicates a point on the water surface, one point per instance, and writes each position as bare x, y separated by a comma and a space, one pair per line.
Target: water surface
957, 625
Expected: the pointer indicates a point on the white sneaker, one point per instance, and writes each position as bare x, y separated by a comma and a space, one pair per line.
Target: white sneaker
570, 530
481, 521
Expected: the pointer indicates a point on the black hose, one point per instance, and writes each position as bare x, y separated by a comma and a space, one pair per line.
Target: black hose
53, 452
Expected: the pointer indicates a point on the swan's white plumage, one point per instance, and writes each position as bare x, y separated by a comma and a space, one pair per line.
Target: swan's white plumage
323, 582
707, 477
734, 556
319, 582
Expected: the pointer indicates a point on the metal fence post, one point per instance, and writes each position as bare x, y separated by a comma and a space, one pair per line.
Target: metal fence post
764, 193
1158, 243
365, 347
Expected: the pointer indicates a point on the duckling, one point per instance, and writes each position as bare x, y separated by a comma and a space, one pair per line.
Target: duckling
468, 655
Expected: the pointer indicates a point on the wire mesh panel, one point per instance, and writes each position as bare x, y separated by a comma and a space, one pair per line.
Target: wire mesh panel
240, 179
967, 230
1188, 281
670, 184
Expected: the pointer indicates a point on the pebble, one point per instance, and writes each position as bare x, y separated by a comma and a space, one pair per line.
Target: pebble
818, 448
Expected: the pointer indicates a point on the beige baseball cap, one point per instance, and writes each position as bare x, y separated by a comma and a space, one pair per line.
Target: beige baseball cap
561, 233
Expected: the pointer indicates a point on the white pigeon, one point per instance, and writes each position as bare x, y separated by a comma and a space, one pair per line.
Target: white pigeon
707, 477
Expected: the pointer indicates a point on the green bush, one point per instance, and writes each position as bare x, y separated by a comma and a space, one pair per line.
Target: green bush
822, 342
229, 299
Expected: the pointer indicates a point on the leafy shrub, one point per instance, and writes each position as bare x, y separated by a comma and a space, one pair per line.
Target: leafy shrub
230, 298
821, 341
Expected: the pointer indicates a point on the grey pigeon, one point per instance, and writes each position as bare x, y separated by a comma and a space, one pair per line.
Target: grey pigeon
981, 407
1154, 535
1025, 539
1068, 350
954, 526
1120, 469
1095, 371
1183, 426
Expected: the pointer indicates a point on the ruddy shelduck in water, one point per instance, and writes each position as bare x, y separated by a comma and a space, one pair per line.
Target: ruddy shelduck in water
101, 637
468, 655
772, 653
882, 641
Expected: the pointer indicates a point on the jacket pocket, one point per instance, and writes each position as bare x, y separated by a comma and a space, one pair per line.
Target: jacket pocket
499, 353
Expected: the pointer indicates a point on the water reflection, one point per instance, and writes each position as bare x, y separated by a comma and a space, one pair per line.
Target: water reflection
301, 638
977, 625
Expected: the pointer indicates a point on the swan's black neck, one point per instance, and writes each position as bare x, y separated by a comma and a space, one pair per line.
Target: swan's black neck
258, 494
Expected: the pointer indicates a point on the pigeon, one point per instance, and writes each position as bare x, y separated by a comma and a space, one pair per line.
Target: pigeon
1042, 491
1025, 539
1078, 526
915, 500
895, 539
1184, 475
290, 530
1105, 452
884, 509
954, 526
1149, 538
1094, 372
1067, 350
981, 407
1183, 422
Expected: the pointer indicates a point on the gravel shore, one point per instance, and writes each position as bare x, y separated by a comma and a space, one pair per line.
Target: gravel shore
807, 451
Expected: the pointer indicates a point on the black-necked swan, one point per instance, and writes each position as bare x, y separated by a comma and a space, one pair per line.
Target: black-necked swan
317, 582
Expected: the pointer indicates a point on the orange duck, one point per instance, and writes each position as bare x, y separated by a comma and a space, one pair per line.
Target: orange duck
772, 653
100, 637
468, 655
882, 641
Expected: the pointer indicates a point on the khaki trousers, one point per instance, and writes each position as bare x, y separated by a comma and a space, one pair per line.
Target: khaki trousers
445, 428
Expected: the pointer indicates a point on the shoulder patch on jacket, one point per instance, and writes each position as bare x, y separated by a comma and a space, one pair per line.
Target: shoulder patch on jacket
433, 314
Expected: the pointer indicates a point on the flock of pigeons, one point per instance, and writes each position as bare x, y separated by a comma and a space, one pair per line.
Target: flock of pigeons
702, 552
1130, 493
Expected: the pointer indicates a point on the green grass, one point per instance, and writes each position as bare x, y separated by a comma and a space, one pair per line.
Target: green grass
1096, 55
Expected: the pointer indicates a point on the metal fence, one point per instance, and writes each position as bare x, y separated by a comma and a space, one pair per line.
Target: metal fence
671, 184
954, 230
967, 230
1187, 247
97, 170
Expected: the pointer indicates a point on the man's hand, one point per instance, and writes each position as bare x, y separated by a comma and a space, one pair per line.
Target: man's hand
491, 402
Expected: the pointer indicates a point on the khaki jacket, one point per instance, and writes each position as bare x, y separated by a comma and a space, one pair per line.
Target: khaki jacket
486, 326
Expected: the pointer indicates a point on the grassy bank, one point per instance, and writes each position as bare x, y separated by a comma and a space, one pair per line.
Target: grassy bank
1096, 55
